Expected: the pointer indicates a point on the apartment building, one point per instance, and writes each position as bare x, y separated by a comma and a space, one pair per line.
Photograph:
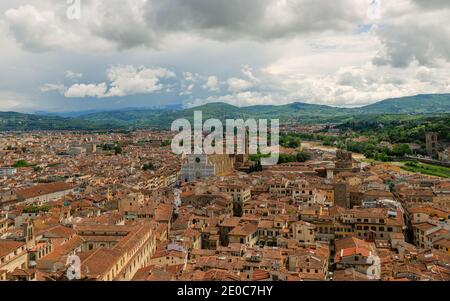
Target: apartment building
43, 193
13, 255
377, 223
246, 233
241, 195
304, 232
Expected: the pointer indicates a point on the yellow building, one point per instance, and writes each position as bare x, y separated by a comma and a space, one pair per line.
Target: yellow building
13, 255
304, 232
443, 245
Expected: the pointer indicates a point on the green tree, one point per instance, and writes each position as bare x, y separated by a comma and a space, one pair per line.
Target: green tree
166, 143
148, 166
302, 157
401, 149
21, 163
118, 150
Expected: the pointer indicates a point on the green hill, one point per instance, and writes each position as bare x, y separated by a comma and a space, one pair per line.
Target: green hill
290, 113
419, 104
12, 121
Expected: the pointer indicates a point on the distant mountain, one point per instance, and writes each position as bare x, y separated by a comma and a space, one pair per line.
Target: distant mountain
295, 112
163, 117
67, 114
12, 121
76, 114
419, 104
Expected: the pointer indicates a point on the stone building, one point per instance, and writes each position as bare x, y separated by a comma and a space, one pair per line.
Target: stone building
13, 255
198, 167
344, 162
432, 144
341, 194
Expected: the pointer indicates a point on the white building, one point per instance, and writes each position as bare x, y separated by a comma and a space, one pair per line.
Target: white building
203, 166
7, 171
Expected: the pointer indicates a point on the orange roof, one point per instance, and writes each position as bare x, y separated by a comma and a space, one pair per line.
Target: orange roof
352, 251
43, 189
9, 246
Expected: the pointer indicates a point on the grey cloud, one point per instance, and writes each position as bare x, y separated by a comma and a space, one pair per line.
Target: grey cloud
256, 19
128, 24
410, 42
422, 36
121, 22
432, 4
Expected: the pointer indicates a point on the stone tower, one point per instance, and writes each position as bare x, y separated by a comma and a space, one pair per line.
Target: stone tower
341, 194
432, 144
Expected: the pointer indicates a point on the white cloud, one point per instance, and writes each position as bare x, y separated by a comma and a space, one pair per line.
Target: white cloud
86, 90
190, 77
187, 90
238, 84
248, 72
212, 84
73, 75
129, 80
188, 83
60, 88
123, 81
240, 99
347, 86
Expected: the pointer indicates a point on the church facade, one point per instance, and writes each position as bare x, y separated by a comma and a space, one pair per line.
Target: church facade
197, 167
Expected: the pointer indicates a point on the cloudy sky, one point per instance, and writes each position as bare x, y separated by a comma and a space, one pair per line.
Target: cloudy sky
142, 53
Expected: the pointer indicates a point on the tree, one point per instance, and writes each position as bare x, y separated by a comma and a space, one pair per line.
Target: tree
302, 157
381, 157
21, 163
401, 149
118, 150
148, 166
290, 141
256, 167
165, 143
